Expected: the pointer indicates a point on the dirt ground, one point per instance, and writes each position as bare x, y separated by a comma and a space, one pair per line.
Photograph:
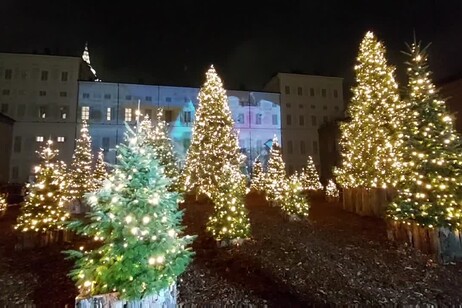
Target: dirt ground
332, 258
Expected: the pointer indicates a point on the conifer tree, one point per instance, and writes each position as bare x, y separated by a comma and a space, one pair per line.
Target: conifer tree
3, 204
257, 183
293, 203
309, 176
214, 141
100, 170
431, 190
370, 140
44, 205
332, 190
275, 174
137, 221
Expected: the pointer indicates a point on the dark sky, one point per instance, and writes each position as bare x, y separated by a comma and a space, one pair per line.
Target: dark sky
173, 42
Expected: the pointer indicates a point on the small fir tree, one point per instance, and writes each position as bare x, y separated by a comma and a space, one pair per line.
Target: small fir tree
257, 182
44, 205
100, 170
81, 175
293, 203
138, 223
332, 190
431, 189
309, 176
275, 174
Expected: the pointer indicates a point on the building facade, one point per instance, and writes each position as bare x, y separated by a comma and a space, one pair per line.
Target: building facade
6, 140
40, 93
307, 102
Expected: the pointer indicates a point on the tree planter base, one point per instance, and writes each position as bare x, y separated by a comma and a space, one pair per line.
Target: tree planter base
30, 240
233, 242
444, 245
166, 298
367, 201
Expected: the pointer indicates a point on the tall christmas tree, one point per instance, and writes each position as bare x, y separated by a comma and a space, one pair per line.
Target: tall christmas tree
257, 183
370, 140
44, 207
275, 174
293, 203
309, 176
81, 177
100, 170
138, 223
214, 142
431, 190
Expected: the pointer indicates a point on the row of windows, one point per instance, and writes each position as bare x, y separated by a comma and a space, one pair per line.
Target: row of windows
240, 119
302, 147
43, 111
129, 114
324, 107
127, 97
17, 142
301, 120
44, 75
7, 92
312, 92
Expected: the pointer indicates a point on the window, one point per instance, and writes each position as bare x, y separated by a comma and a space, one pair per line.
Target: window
300, 106
17, 144
108, 113
63, 111
107, 96
42, 112
336, 108
240, 118
324, 92
335, 93
21, 110
64, 76
313, 106
105, 144
275, 119
325, 119
24, 75
274, 105
85, 112
311, 91
299, 91
301, 120
289, 120
187, 116
302, 147
4, 108
290, 148
148, 98
287, 105
315, 147
15, 172
39, 138
313, 121
43, 93
60, 139
6, 91
63, 94
8, 74
168, 99
287, 89
168, 115
128, 114
258, 117
86, 95
128, 97
259, 145
44, 76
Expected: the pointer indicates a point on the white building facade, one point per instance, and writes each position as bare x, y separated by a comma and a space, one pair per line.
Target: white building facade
307, 102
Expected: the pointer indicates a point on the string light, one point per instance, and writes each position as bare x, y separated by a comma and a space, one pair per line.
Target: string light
309, 176
257, 182
332, 190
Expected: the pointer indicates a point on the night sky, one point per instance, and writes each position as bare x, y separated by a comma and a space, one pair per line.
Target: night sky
173, 42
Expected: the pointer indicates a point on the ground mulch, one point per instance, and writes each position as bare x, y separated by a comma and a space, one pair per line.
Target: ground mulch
332, 258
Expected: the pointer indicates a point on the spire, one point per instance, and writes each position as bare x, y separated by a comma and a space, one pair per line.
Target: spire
86, 58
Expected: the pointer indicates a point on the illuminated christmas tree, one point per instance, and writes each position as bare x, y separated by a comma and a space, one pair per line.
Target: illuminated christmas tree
214, 142
293, 203
81, 175
3, 204
137, 221
257, 183
275, 174
309, 176
431, 191
332, 190
230, 221
100, 170
370, 140
44, 205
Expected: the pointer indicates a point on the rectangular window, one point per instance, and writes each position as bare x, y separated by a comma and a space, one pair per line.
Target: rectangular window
300, 106
168, 99
335, 93
39, 138
302, 147
325, 119
44, 76
21, 110
63, 94
240, 118
288, 105
60, 139
324, 92
290, 148
86, 95
311, 91
258, 117
6, 92
107, 96
105, 144
63, 111
301, 120
299, 91
313, 121
289, 120
8, 74
336, 108
108, 113
274, 119
315, 147
4, 108
313, 106
259, 146
43, 93
128, 114
148, 98
187, 116
128, 97
42, 112
287, 89
168, 116
15, 172
17, 144
64, 76
324, 107
85, 112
